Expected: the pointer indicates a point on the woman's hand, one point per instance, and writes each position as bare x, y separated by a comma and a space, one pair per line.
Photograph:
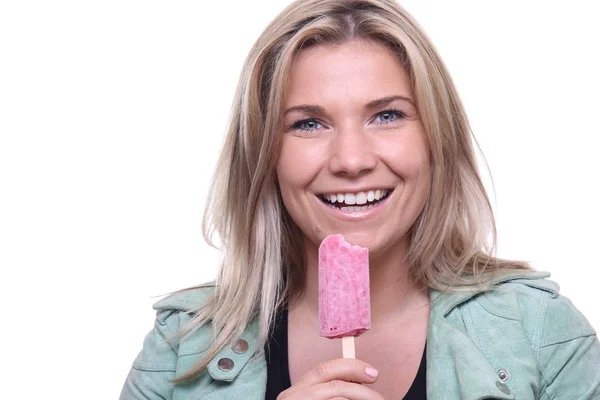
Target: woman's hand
339, 378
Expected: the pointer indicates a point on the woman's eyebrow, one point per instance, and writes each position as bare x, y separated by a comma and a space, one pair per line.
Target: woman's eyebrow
387, 100
314, 109
305, 108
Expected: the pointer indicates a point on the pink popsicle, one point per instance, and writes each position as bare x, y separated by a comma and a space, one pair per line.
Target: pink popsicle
344, 295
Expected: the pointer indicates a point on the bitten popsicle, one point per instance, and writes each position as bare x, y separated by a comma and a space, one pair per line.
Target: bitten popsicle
344, 294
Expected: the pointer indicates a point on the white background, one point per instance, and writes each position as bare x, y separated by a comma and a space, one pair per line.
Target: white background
111, 117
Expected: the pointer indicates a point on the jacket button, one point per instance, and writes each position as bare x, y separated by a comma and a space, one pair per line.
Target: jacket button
225, 364
503, 388
503, 375
240, 347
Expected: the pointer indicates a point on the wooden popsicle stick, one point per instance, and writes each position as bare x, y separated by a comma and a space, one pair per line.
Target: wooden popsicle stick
348, 347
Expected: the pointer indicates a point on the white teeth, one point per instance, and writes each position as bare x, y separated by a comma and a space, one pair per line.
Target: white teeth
356, 198
371, 195
361, 198
356, 208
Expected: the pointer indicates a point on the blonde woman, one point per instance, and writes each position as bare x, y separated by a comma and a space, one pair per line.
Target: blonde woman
346, 121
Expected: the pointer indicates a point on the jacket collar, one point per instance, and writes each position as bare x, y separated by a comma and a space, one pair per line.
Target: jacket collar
455, 364
442, 303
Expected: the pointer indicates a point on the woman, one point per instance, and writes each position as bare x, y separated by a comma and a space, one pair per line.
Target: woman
346, 121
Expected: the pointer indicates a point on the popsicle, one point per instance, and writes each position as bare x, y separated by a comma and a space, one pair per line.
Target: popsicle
344, 295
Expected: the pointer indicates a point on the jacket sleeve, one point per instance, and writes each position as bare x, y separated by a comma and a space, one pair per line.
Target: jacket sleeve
154, 367
569, 354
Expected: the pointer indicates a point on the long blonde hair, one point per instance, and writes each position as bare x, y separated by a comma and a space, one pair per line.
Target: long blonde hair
452, 240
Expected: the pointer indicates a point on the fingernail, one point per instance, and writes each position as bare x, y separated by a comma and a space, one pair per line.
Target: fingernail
372, 372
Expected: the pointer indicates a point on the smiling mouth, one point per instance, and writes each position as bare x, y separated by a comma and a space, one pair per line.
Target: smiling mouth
354, 207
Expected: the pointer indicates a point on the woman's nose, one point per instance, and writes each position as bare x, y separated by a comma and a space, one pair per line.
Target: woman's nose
351, 152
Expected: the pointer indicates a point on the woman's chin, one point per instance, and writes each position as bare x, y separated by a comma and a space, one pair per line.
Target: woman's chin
378, 246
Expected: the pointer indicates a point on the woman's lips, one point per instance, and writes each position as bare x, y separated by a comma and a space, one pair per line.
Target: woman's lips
355, 212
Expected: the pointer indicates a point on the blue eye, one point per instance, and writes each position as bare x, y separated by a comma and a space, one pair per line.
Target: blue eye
306, 125
388, 116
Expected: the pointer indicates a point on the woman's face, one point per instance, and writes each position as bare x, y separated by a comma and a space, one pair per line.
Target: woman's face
355, 158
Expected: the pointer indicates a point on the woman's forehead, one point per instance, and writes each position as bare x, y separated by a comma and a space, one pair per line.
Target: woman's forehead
357, 70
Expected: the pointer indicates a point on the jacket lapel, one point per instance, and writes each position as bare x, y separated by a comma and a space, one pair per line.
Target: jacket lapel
455, 365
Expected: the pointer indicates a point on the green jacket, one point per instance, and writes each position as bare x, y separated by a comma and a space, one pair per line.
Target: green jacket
521, 341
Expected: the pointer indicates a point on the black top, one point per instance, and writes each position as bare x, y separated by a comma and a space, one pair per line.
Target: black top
278, 372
